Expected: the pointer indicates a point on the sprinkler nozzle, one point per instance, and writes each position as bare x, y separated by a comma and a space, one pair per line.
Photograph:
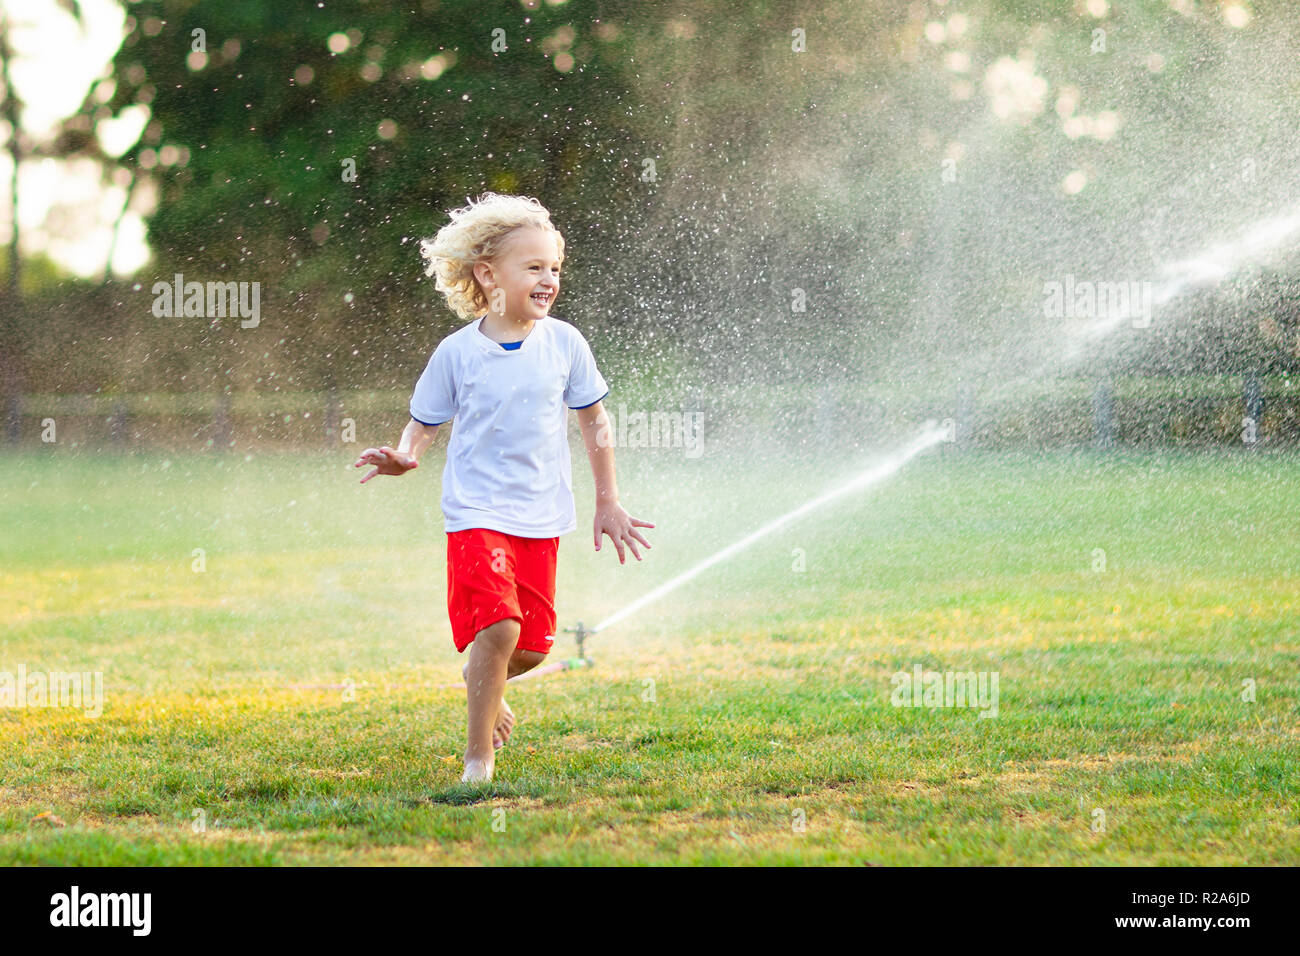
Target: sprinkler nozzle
581, 632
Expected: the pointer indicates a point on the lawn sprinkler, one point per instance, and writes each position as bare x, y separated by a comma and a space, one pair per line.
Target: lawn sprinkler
580, 634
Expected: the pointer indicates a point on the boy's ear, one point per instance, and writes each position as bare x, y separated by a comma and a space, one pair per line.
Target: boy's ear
482, 271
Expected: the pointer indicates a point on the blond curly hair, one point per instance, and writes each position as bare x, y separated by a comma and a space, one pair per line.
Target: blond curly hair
476, 232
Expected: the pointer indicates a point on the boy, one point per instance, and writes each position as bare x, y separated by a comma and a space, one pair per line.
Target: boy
507, 496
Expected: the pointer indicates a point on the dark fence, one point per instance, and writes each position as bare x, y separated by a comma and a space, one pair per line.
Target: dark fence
1226, 410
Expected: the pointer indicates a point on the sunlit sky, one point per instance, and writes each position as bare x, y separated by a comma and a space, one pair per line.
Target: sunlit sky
66, 209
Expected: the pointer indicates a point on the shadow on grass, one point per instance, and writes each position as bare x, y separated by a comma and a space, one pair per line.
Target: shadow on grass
464, 794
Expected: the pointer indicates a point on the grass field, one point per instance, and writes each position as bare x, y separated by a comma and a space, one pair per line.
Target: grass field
283, 705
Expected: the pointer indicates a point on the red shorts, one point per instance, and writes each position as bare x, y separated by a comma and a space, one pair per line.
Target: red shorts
491, 576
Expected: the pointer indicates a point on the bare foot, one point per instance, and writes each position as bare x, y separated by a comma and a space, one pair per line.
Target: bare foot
477, 771
505, 725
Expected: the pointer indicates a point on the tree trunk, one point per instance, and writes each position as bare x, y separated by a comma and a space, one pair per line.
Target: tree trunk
11, 306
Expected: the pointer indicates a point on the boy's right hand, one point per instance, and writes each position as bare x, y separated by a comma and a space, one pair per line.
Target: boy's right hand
387, 461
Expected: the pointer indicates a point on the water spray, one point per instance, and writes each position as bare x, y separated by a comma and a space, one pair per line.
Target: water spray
931, 435
1213, 265
1208, 267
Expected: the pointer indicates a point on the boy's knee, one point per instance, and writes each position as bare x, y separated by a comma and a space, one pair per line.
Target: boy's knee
501, 636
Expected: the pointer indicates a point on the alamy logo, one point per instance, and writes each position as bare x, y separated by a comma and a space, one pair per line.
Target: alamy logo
75, 908
946, 689
654, 429
1098, 300
82, 690
216, 300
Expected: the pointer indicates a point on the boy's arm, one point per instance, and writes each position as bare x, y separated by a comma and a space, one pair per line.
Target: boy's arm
416, 437
611, 519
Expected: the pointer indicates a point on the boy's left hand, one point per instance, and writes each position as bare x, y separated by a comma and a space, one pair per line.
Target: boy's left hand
613, 520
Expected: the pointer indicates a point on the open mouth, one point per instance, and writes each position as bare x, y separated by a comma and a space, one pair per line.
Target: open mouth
541, 298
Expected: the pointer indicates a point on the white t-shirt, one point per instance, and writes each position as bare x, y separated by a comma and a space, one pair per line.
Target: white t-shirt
508, 465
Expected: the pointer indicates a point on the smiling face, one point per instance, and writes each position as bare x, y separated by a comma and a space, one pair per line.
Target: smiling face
527, 270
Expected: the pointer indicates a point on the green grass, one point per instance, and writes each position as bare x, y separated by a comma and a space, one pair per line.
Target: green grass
288, 697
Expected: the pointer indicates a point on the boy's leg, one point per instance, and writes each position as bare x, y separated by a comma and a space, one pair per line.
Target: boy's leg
521, 661
485, 680
535, 560
525, 584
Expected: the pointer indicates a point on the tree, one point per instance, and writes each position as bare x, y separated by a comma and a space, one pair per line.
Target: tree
12, 378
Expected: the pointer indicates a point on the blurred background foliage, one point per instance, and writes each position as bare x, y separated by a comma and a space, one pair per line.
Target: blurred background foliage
915, 171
